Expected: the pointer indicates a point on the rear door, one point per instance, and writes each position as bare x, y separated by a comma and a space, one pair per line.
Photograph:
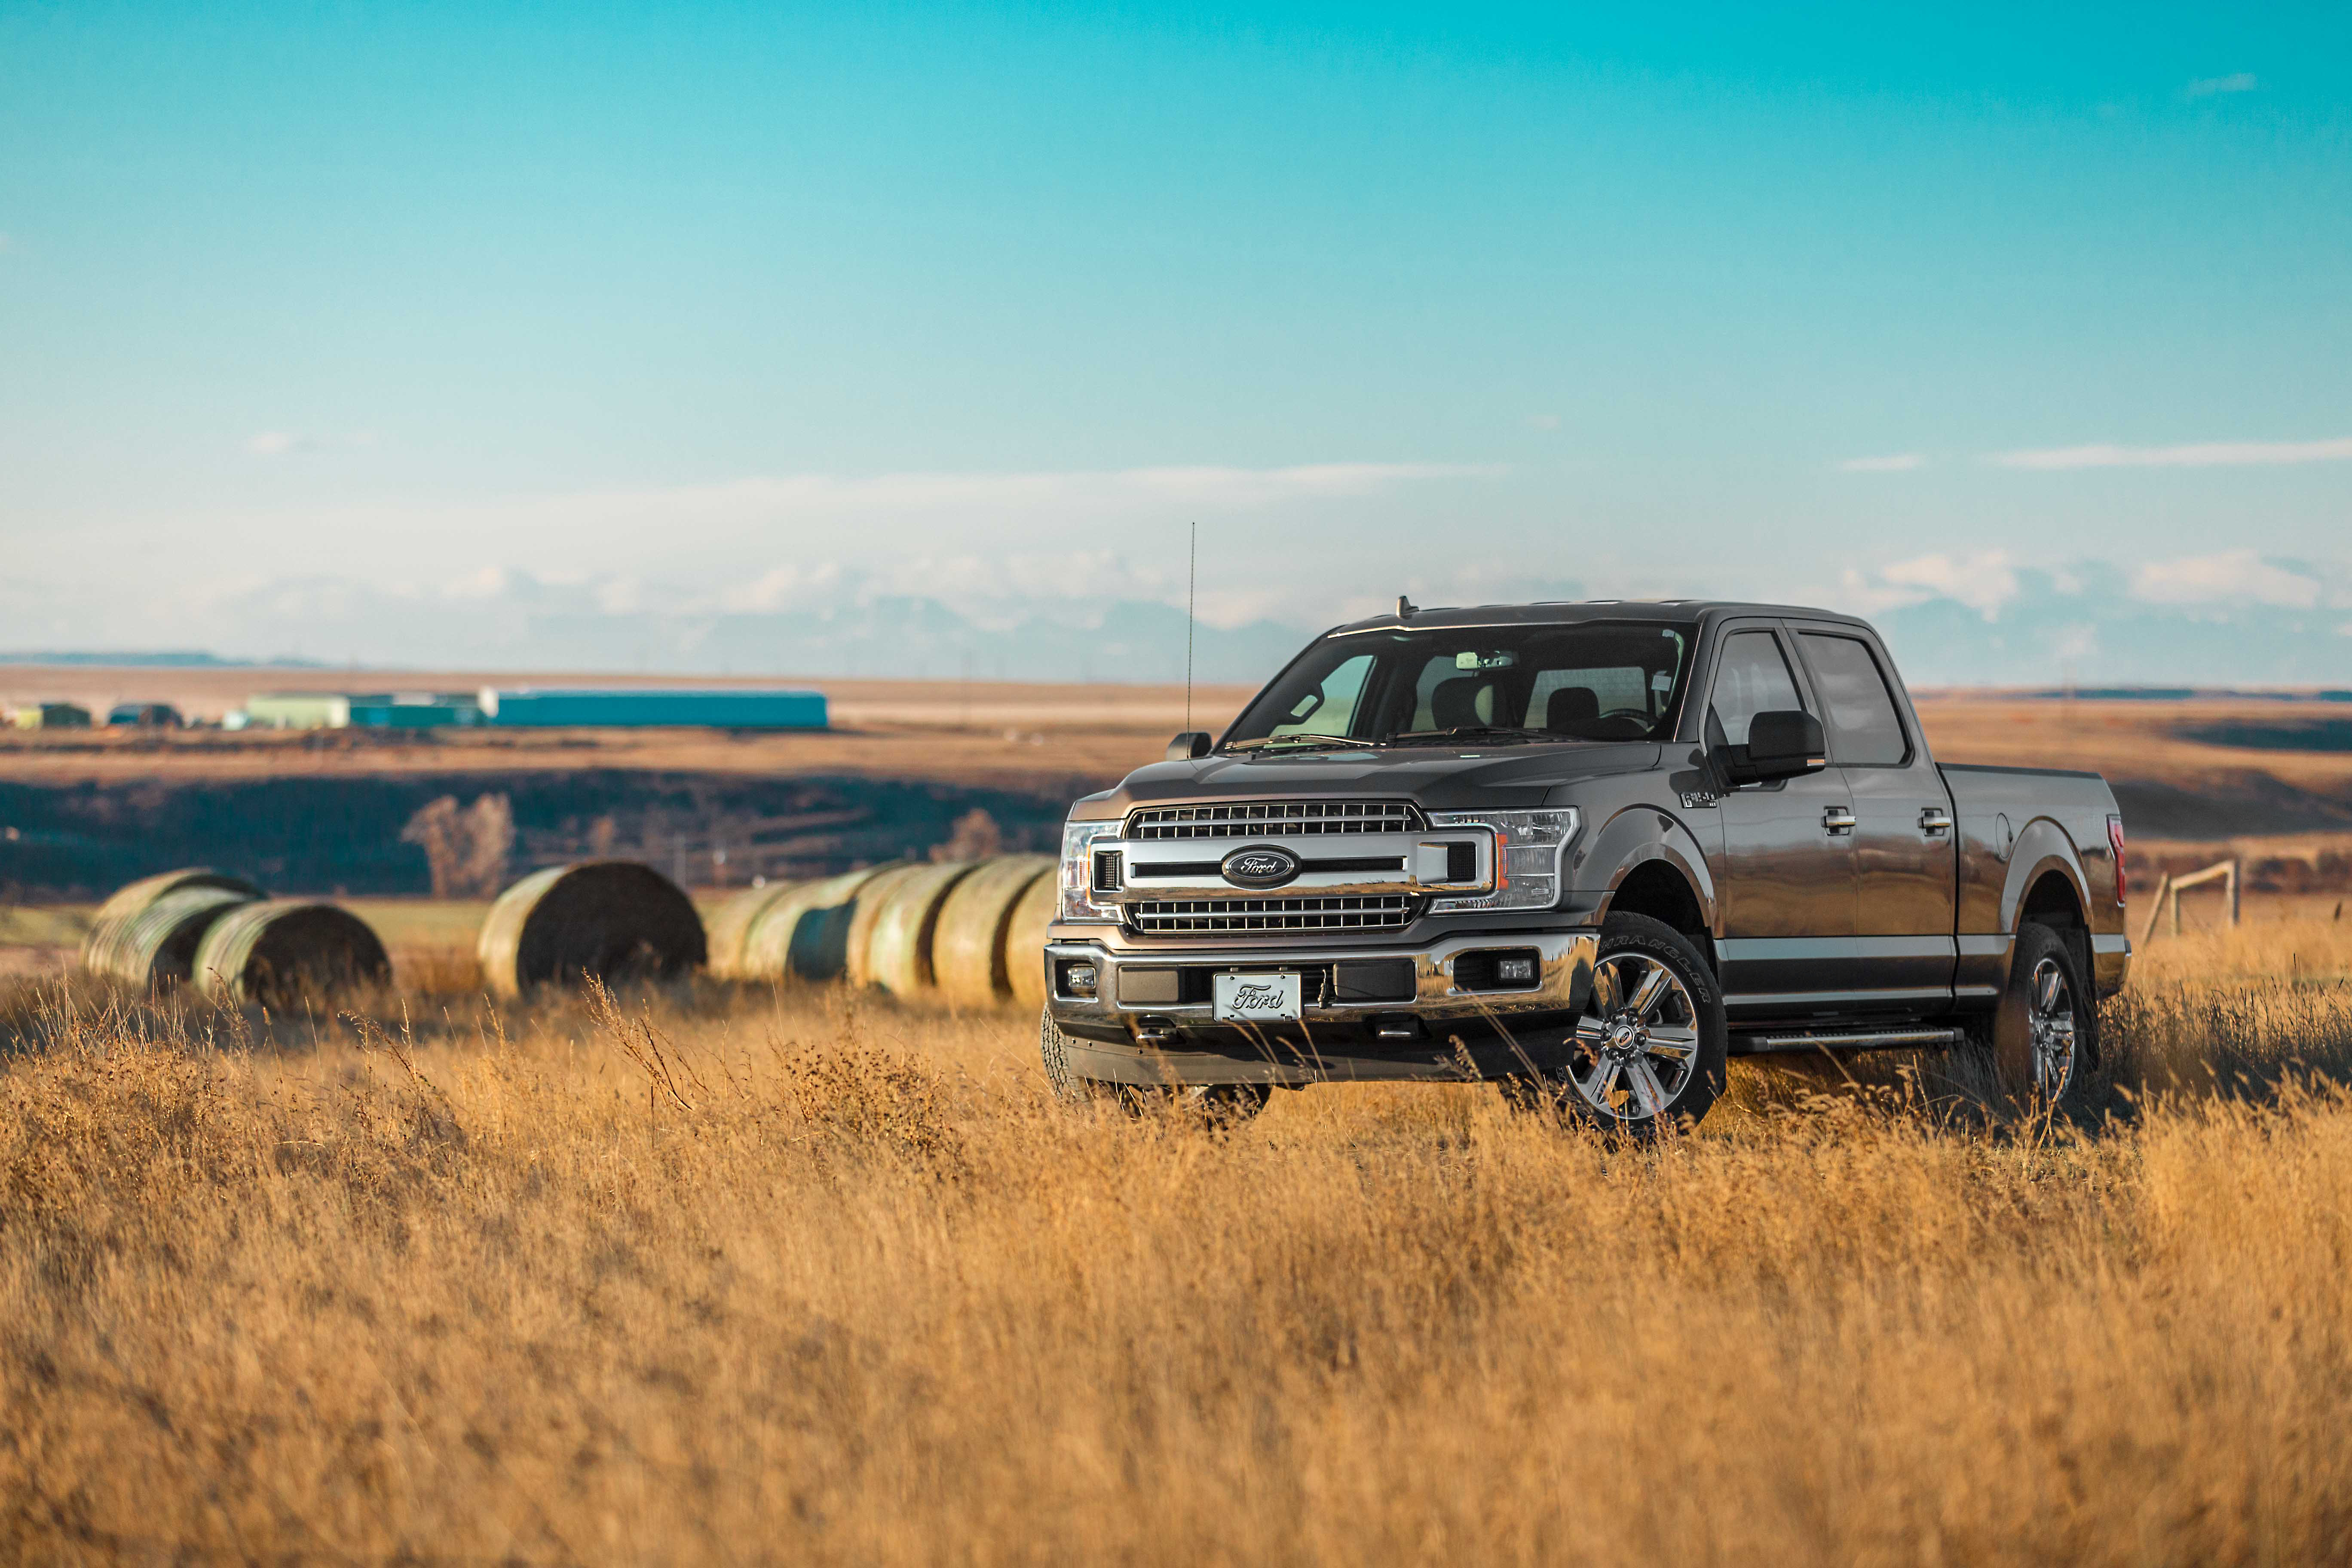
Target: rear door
1786, 882
1904, 858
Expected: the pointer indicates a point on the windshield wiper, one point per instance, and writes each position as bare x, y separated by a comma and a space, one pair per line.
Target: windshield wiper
1315, 742
1472, 733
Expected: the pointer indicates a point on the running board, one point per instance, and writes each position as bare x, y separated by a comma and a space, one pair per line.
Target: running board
1767, 1044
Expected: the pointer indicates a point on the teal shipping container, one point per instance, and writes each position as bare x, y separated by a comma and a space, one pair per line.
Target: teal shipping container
414, 711
723, 707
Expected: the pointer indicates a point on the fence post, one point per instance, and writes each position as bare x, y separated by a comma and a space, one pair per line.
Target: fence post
2156, 909
2233, 893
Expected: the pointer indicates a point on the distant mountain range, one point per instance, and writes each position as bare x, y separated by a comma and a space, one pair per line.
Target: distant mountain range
2091, 625
141, 658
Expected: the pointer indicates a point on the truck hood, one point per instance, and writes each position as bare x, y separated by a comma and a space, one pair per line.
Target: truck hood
1436, 778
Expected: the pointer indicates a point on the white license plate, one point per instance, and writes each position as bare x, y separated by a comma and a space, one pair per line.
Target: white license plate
1257, 998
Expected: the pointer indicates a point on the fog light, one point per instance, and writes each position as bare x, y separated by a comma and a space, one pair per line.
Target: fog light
1514, 970
1078, 980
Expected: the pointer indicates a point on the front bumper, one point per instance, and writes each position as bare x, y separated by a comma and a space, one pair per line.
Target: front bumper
1454, 1024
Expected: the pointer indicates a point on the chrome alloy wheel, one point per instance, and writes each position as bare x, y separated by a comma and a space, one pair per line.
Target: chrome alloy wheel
1638, 1039
2050, 1015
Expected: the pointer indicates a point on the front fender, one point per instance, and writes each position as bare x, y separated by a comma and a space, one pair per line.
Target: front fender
1605, 856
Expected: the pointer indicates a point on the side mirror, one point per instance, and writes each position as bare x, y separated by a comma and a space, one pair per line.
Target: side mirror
1189, 744
1783, 745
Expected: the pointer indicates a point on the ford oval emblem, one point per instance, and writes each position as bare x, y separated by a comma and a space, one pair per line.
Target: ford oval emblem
1259, 865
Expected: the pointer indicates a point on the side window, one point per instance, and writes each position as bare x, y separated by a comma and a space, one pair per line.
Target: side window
1332, 707
1753, 678
1864, 732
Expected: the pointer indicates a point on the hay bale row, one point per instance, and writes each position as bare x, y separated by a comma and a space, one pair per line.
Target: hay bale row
146, 934
281, 952
909, 927
608, 920
235, 943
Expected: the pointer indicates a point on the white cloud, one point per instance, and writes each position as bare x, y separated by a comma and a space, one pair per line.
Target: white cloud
2236, 575
1902, 462
2195, 455
278, 443
1983, 581
2207, 86
487, 583
784, 587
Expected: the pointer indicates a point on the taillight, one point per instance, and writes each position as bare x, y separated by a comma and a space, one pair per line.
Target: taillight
2115, 843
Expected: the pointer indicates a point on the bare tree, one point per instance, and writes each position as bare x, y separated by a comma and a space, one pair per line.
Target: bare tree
466, 851
976, 836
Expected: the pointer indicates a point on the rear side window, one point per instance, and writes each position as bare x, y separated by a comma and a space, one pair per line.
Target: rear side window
1864, 732
1752, 678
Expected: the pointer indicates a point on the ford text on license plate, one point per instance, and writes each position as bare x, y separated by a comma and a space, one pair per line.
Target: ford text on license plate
1257, 998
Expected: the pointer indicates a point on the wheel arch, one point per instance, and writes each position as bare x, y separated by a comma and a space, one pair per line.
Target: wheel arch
2046, 886
1656, 867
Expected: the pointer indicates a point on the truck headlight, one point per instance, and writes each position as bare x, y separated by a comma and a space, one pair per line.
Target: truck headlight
1531, 848
1079, 904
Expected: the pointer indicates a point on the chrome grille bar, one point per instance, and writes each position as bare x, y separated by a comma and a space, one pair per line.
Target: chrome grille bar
1263, 819
1187, 916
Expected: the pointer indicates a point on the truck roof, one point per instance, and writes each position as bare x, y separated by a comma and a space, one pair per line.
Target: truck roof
1569, 611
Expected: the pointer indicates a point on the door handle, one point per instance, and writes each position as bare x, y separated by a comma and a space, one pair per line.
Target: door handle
1837, 819
1934, 821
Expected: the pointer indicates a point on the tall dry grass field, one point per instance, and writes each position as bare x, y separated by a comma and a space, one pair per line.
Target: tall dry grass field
729, 1277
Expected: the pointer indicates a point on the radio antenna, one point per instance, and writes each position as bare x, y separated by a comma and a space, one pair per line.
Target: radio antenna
1191, 586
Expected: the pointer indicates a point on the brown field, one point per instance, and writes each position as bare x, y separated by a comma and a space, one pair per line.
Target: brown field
747, 1276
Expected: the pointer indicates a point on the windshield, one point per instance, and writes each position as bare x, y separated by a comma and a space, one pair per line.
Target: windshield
1600, 680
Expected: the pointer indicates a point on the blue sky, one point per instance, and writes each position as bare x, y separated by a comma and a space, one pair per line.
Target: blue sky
321, 325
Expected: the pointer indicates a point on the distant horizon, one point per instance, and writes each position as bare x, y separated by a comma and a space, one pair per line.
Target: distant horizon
103, 661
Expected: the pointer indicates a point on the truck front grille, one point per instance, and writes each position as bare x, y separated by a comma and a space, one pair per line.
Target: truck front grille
1272, 819
1205, 917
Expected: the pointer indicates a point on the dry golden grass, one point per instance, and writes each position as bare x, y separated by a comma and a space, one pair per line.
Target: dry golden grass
732, 1276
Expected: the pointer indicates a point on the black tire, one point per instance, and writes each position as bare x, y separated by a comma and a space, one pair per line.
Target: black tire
1053, 1047
2044, 1030
1216, 1104
1646, 1061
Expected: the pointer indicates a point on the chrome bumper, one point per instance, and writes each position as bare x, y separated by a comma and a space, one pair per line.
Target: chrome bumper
1563, 976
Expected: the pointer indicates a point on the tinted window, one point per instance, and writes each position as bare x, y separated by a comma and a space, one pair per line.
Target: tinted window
1600, 680
1863, 730
1752, 678
1330, 708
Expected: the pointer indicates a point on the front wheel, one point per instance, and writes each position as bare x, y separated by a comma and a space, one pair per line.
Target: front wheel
1217, 1104
1648, 1052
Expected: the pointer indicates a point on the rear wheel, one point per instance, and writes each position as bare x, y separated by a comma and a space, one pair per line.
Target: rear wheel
2044, 1032
1648, 1052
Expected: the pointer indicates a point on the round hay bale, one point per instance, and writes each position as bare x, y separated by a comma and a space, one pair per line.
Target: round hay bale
105, 951
968, 958
278, 952
805, 935
866, 913
612, 919
898, 952
1025, 940
730, 926
156, 948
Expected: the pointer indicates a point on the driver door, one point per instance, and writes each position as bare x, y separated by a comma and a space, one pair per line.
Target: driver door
1787, 879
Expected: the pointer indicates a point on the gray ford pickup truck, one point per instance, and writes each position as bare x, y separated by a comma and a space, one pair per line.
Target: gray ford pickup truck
1585, 851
